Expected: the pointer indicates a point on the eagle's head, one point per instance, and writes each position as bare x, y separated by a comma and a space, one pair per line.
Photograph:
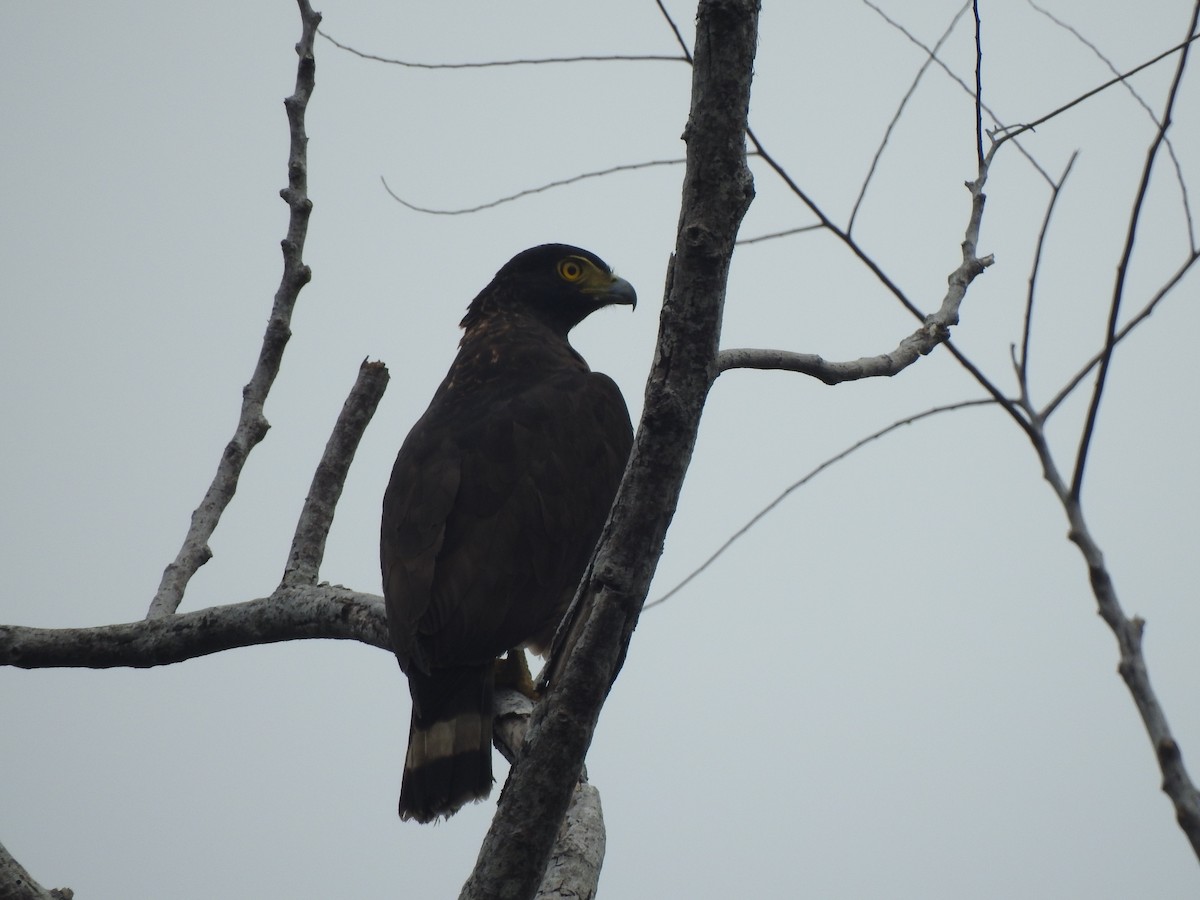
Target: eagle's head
557, 284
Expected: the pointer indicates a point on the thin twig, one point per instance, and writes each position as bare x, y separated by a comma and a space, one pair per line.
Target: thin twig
845, 238
772, 235
912, 89
857, 445
978, 84
1183, 191
1123, 267
1023, 359
493, 63
628, 167
687, 53
1016, 130
966, 89
1125, 331
312, 529
252, 424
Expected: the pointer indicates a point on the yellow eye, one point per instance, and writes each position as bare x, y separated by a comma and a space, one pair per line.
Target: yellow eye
570, 269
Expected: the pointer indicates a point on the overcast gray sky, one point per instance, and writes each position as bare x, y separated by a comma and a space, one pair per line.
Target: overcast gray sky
896, 686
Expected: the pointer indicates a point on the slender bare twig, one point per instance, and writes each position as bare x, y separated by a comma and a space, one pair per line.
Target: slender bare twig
828, 223
252, 424
1123, 266
772, 235
1023, 359
312, 529
687, 53
494, 63
978, 84
966, 88
887, 134
1014, 131
628, 167
1126, 330
857, 445
1183, 191
960, 279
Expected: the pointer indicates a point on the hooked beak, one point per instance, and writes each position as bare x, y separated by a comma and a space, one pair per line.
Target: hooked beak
617, 292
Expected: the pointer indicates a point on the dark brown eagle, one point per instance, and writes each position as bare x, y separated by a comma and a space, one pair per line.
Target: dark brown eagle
495, 504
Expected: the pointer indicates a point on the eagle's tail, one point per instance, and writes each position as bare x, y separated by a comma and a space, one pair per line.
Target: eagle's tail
449, 760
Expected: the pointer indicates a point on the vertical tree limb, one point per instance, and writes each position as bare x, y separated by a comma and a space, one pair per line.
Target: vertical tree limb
717, 192
252, 424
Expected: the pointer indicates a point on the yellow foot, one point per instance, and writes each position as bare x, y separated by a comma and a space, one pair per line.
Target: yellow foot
512, 671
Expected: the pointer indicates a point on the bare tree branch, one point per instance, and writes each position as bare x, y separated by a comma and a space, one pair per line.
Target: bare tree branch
953, 76
1183, 191
717, 191
828, 223
687, 52
1126, 330
574, 868
935, 328
1123, 266
289, 614
978, 85
490, 64
1023, 359
252, 424
17, 884
772, 235
1176, 783
960, 278
312, 529
920, 343
578, 850
758, 516
1014, 131
628, 167
887, 134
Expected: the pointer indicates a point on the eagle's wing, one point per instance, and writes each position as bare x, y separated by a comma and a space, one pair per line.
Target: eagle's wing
494, 506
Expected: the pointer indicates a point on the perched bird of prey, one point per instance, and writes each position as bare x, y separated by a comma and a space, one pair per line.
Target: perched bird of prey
495, 504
